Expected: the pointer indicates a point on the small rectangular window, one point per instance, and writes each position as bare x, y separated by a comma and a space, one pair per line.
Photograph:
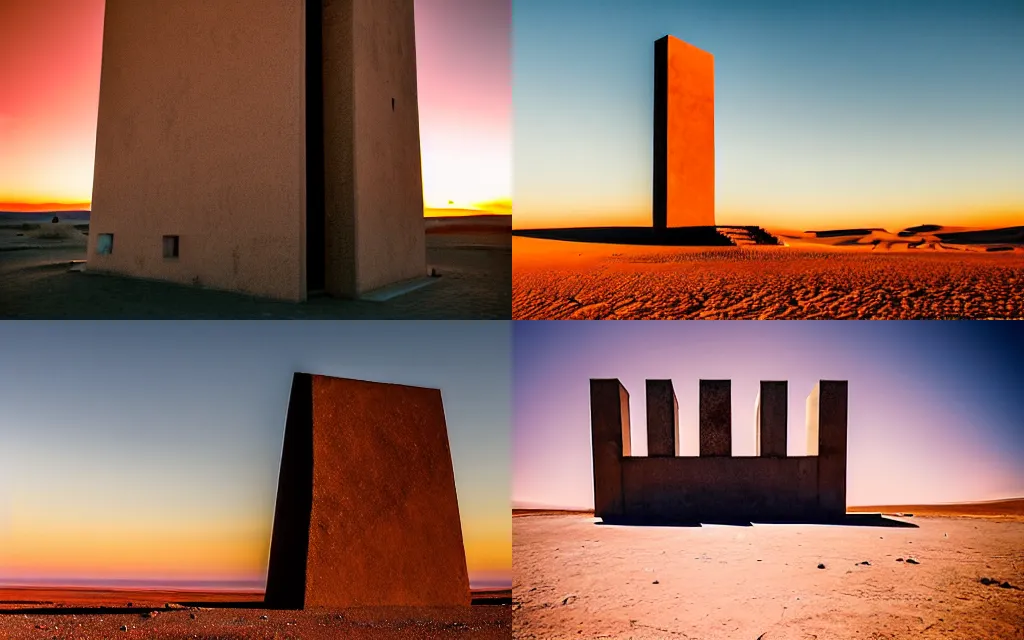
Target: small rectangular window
105, 244
170, 246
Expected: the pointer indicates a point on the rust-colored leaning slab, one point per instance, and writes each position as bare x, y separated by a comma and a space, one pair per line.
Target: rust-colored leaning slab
684, 135
367, 513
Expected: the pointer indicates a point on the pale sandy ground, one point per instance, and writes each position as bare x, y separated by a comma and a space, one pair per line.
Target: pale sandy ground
810, 280
577, 579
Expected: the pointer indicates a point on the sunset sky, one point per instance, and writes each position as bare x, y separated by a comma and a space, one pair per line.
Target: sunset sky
149, 452
827, 114
50, 53
933, 406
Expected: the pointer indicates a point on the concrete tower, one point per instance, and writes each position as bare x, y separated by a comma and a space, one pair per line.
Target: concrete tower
263, 146
684, 135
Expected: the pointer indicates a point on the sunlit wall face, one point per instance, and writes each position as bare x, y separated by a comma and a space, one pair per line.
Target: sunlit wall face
147, 453
933, 406
827, 114
49, 96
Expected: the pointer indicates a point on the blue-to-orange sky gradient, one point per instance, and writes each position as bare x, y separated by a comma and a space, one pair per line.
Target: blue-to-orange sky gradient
934, 407
50, 53
147, 453
846, 113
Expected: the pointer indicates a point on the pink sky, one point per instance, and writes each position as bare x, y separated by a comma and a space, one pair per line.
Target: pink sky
50, 53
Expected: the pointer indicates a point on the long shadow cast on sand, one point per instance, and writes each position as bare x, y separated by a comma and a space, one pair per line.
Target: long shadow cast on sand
850, 520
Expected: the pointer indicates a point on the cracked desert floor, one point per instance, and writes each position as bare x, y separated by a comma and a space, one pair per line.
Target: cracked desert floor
574, 578
569, 280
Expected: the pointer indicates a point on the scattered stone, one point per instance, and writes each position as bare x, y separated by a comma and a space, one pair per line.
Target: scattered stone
192, 616
264, 617
821, 566
341, 617
151, 614
655, 582
569, 599
1006, 585
173, 605
124, 627
55, 220
865, 562
912, 561
987, 581
899, 559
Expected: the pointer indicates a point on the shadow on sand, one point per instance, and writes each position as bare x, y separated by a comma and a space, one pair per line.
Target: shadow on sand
679, 237
850, 520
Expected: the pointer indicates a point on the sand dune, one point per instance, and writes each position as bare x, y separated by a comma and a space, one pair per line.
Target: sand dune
928, 237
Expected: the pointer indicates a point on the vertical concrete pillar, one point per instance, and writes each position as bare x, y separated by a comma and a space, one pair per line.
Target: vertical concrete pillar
684, 135
609, 430
832, 417
715, 418
771, 419
662, 419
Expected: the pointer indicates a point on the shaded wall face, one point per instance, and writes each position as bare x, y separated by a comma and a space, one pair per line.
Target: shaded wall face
201, 135
697, 488
375, 226
684, 132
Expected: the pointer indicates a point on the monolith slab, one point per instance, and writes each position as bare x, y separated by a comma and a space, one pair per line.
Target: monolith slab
367, 513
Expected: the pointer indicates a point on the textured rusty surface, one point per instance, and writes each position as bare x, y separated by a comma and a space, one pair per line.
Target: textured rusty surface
662, 419
383, 518
715, 418
684, 135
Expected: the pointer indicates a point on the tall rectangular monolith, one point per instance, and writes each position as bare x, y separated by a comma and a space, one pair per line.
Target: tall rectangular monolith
609, 429
367, 513
662, 419
715, 419
772, 419
684, 135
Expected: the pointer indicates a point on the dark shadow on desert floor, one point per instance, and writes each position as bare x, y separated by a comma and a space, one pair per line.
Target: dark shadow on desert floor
851, 520
474, 264
677, 237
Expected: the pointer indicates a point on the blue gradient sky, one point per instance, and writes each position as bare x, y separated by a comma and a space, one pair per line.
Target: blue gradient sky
934, 407
150, 451
827, 114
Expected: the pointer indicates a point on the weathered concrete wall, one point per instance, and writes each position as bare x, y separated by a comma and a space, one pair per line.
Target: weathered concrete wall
201, 134
367, 512
684, 135
609, 432
770, 486
374, 190
695, 489
715, 418
772, 419
662, 419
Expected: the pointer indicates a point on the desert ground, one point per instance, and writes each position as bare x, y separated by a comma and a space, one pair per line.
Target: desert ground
155, 614
471, 254
920, 272
922, 576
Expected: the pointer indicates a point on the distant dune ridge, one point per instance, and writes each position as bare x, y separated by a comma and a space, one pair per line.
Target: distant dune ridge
922, 237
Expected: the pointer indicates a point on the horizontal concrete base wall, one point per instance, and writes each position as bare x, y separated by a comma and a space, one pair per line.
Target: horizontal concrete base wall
693, 489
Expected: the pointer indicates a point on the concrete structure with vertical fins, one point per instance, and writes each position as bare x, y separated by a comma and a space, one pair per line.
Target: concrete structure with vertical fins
276, 140
684, 135
719, 487
367, 513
